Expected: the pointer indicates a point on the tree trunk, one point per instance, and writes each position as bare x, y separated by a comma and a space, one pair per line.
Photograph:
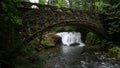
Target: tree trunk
92, 6
70, 4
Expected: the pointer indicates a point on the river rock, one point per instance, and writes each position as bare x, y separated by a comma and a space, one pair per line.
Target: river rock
74, 44
51, 39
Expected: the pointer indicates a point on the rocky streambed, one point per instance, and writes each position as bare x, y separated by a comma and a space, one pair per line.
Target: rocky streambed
74, 57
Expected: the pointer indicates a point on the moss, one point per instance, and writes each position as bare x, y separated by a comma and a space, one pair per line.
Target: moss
50, 39
47, 43
115, 51
90, 38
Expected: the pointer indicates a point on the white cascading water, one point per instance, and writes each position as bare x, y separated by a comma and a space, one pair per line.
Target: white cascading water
69, 38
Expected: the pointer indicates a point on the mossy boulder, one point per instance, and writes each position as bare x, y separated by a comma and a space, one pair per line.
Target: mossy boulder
51, 39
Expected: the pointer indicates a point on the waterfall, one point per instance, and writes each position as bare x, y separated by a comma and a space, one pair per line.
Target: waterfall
69, 38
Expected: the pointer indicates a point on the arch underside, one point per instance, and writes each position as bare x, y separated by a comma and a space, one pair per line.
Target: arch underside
97, 30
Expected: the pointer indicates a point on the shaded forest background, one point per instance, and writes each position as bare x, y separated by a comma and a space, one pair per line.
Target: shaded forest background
14, 54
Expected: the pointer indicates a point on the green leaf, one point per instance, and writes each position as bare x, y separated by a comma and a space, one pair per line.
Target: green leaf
59, 4
42, 2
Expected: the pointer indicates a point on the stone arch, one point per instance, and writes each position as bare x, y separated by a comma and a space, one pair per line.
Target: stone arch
47, 16
95, 29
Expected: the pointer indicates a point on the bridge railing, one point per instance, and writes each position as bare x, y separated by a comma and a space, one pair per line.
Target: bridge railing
41, 7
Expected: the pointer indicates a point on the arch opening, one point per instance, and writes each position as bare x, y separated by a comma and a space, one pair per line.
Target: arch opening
83, 29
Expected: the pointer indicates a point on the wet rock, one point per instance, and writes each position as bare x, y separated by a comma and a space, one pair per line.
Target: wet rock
74, 44
51, 39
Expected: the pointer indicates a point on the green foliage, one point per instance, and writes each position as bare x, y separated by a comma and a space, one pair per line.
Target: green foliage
52, 2
47, 43
96, 42
105, 44
112, 19
91, 39
99, 6
29, 58
26, 0
115, 51
59, 4
78, 4
9, 7
12, 53
42, 2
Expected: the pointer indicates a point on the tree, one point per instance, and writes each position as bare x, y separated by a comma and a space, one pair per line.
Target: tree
112, 19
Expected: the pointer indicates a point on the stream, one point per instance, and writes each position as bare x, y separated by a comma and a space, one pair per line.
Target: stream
71, 54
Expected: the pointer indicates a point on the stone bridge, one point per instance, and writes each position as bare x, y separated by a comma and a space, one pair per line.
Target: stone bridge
37, 20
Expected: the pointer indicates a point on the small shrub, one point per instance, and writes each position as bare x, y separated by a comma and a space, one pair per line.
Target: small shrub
91, 39
115, 51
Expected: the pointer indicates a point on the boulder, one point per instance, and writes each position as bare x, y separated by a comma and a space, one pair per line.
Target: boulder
51, 39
